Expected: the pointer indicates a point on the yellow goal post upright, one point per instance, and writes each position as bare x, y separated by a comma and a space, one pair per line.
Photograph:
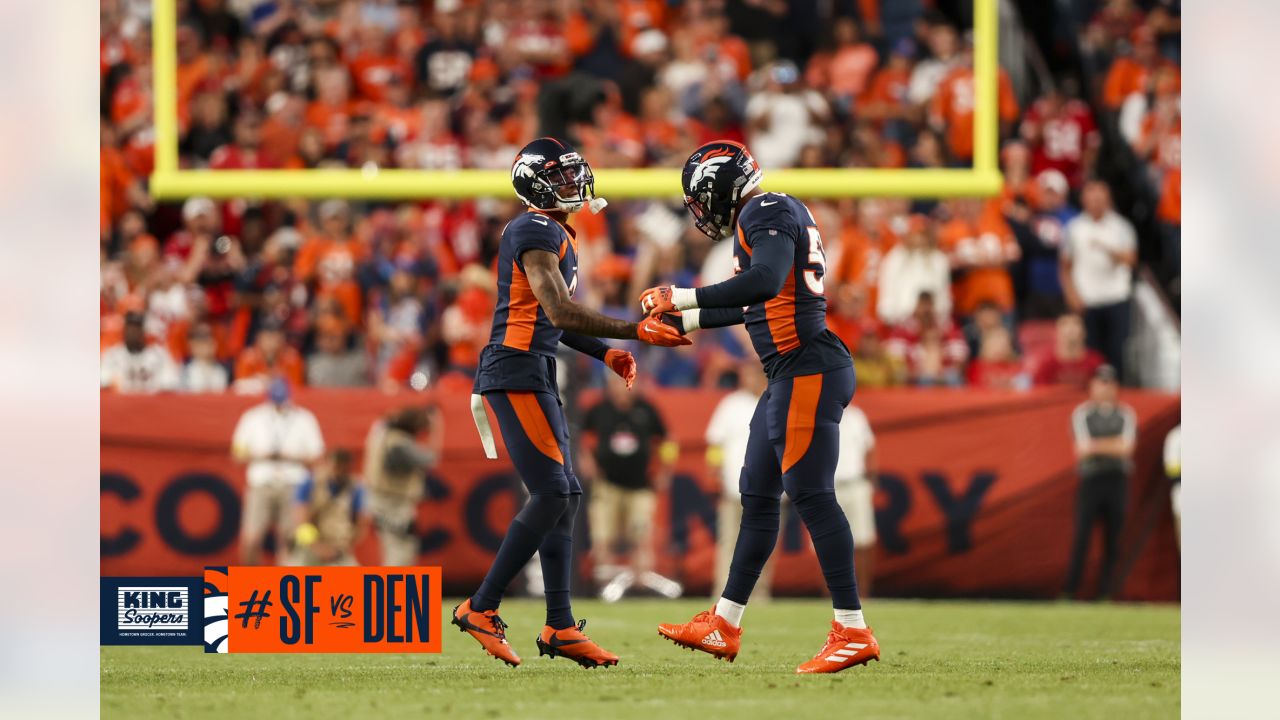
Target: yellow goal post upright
169, 182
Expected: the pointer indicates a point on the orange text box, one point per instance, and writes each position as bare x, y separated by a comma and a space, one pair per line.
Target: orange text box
333, 609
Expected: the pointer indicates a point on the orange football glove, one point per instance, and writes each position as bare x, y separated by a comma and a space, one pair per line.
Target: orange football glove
655, 332
622, 363
657, 300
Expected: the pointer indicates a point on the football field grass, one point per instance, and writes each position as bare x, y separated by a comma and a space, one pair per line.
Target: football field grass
939, 660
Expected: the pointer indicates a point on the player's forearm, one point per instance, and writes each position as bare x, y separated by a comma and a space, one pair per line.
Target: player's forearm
758, 284
707, 318
585, 344
572, 317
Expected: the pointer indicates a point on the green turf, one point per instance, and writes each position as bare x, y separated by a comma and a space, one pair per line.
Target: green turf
940, 660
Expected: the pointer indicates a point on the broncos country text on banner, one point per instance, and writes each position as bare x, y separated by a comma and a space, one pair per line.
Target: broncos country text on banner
322, 609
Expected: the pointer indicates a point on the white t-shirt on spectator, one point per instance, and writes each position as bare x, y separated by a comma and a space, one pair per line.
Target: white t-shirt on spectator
925, 78
150, 371
791, 126
904, 274
291, 432
1098, 278
204, 377
856, 440
729, 428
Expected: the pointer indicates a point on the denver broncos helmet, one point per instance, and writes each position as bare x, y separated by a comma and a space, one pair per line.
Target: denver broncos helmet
715, 178
548, 174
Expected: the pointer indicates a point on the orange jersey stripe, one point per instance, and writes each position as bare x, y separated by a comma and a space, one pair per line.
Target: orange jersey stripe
801, 417
522, 311
742, 240
780, 312
535, 424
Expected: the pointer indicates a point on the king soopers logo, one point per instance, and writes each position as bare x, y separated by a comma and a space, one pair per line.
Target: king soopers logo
152, 608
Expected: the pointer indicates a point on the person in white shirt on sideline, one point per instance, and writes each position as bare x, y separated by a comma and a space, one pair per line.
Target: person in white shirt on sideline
726, 451
1096, 269
203, 373
1173, 470
279, 441
856, 480
134, 366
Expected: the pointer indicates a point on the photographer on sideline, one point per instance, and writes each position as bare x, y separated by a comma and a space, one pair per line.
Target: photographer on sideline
331, 513
395, 471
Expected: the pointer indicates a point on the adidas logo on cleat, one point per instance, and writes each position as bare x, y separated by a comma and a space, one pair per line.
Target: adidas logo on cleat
714, 639
845, 653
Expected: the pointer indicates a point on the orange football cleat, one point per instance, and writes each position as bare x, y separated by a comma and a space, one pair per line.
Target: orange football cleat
571, 643
488, 630
845, 648
707, 632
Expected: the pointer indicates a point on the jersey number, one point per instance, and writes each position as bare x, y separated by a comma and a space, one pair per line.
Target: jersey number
813, 278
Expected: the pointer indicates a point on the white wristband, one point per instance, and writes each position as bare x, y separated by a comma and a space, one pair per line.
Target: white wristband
691, 320
684, 298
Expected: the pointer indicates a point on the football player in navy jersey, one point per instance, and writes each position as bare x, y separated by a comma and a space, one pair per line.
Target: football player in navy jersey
794, 438
537, 275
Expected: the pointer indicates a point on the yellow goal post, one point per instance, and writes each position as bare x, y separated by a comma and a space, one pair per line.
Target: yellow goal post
169, 182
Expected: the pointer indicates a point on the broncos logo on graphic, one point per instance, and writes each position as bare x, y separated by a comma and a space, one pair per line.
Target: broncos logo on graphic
216, 622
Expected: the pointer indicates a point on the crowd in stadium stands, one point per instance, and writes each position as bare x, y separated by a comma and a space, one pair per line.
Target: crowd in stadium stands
1031, 287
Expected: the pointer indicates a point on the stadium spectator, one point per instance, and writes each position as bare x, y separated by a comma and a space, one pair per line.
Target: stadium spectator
997, 366
951, 109
943, 44
844, 73
338, 361
985, 319
857, 478
1072, 363
1041, 240
203, 373
980, 246
624, 432
1160, 143
784, 117
331, 513
277, 440
269, 356
1097, 260
1133, 76
726, 451
327, 262
1062, 136
395, 472
913, 268
1104, 430
929, 345
136, 366
873, 365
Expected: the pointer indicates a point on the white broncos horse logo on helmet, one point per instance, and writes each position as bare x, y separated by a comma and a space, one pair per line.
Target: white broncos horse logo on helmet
524, 165
708, 168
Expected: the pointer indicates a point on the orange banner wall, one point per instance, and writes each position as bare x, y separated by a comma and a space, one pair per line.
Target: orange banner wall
976, 491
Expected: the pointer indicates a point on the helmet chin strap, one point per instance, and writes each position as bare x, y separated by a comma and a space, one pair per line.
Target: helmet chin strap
597, 204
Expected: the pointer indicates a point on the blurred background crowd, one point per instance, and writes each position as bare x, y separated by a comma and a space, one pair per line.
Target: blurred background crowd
1041, 285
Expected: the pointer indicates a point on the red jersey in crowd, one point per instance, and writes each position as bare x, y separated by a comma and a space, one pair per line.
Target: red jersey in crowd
1060, 138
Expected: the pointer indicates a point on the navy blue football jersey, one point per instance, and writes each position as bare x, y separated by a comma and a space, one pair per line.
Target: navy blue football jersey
523, 339
789, 332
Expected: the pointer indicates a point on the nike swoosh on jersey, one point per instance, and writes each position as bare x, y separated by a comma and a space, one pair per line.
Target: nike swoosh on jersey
763, 203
